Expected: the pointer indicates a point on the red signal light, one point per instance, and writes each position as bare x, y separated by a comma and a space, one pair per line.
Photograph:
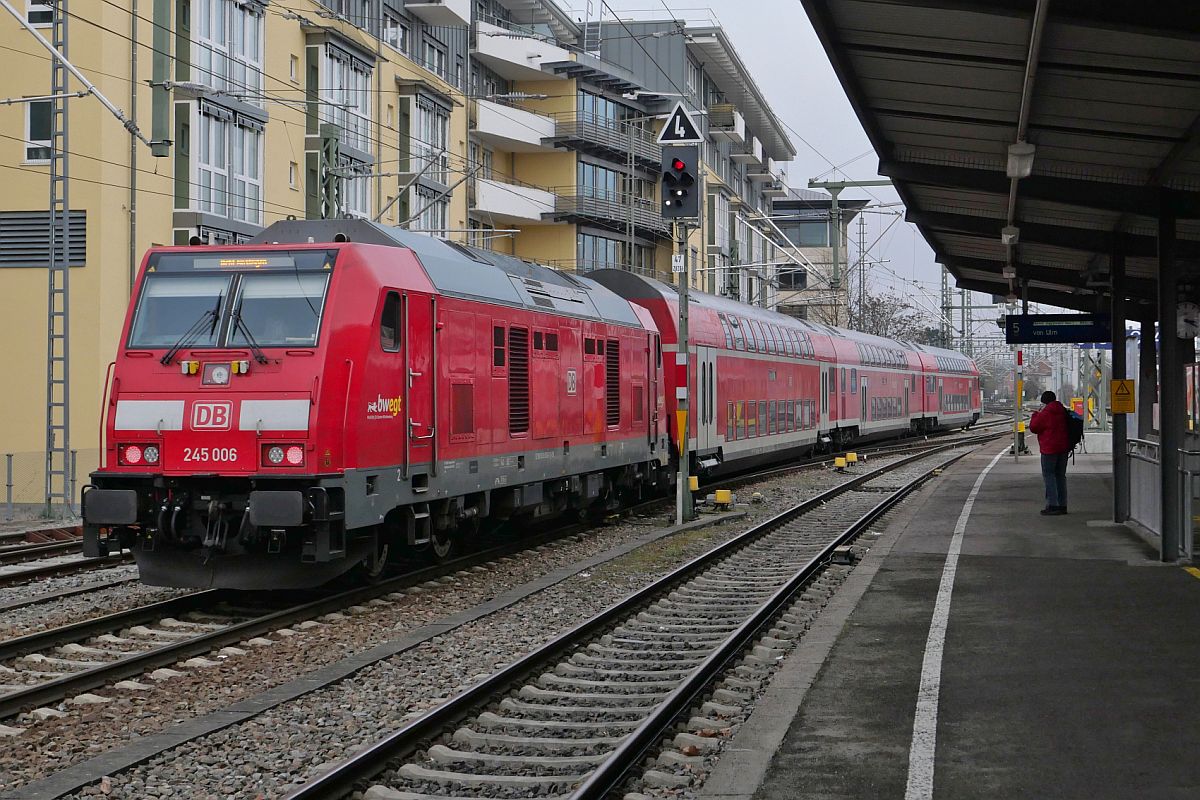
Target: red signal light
678, 164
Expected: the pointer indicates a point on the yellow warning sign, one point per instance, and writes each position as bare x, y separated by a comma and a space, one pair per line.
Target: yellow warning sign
681, 420
1121, 397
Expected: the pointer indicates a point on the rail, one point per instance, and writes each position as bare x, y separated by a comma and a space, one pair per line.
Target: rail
371, 760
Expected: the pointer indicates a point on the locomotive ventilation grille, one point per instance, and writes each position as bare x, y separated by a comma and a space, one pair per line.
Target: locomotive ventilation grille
612, 382
518, 380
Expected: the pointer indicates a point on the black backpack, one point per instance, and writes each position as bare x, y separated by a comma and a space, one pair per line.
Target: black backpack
1074, 428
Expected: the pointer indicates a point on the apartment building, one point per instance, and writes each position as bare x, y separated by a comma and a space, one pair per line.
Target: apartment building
815, 290
737, 247
504, 123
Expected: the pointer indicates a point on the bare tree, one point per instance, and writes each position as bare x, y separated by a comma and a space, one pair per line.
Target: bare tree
891, 316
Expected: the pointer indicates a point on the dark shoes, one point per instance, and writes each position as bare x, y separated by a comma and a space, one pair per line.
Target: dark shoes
1053, 511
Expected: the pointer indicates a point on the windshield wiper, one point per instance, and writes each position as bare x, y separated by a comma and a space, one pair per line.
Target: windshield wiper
210, 316
240, 324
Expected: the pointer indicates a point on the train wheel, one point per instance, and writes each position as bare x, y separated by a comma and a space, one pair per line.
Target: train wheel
444, 545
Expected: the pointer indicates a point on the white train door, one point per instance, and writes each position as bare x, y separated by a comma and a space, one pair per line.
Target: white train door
706, 398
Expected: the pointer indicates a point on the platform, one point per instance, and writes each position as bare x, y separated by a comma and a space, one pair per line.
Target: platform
1068, 667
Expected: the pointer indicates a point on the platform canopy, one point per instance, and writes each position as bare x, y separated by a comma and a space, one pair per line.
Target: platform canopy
1108, 94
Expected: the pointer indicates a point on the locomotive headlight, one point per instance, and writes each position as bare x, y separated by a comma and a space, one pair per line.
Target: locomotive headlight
295, 455
243, 367
150, 453
275, 455
132, 454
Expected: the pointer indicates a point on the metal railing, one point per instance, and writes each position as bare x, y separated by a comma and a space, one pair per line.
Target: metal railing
611, 134
612, 207
1189, 470
1145, 489
24, 484
1145, 471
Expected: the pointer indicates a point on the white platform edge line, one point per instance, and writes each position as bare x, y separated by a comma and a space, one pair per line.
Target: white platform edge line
922, 752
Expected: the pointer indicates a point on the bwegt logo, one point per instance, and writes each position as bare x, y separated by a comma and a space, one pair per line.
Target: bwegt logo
384, 406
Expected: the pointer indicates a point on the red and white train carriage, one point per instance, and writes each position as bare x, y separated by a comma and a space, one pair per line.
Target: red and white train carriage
765, 385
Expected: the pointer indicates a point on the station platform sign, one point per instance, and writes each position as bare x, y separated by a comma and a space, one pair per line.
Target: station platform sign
1057, 328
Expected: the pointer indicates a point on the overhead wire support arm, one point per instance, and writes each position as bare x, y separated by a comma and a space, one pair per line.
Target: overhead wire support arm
89, 87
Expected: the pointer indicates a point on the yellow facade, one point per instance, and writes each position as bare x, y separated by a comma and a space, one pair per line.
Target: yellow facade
134, 200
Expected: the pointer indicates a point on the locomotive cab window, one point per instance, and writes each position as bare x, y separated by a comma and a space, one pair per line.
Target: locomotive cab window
277, 299
172, 305
389, 323
278, 310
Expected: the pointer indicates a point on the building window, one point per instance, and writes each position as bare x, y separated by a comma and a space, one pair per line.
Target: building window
294, 68
599, 110
435, 57
293, 175
695, 79
433, 212
807, 233
212, 164
346, 96
600, 252
395, 32
245, 173
354, 197
430, 139
481, 235
39, 14
229, 163
227, 47
37, 131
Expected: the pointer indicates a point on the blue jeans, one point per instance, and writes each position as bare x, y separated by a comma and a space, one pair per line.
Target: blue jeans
1054, 473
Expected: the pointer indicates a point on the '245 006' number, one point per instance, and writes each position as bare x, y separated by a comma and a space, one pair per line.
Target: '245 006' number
210, 454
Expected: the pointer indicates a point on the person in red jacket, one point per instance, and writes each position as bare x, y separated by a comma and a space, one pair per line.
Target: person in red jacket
1054, 441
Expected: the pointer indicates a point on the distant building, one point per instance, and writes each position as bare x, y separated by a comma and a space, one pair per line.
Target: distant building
805, 218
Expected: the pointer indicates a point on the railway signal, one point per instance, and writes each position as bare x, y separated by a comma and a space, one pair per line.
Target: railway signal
680, 192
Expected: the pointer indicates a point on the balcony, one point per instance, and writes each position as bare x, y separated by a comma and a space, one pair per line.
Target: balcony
511, 203
749, 152
726, 124
512, 129
607, 138
766, 170
515, 55
612, 210
775, 188
444, 13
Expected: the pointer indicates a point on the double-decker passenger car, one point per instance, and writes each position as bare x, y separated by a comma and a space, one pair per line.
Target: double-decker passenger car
283, 411
765, 386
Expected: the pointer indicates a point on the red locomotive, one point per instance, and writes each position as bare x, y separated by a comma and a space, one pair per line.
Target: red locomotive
335, 392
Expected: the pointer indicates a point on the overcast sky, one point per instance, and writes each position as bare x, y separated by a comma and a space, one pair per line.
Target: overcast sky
782, 52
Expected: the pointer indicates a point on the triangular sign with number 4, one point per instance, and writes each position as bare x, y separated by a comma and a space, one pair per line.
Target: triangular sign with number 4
680, 129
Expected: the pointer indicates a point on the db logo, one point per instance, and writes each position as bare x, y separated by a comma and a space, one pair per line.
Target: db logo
212, 415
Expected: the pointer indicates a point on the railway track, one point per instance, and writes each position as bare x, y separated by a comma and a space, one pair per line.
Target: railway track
20, 553
59, 567
575, 716
48, 666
